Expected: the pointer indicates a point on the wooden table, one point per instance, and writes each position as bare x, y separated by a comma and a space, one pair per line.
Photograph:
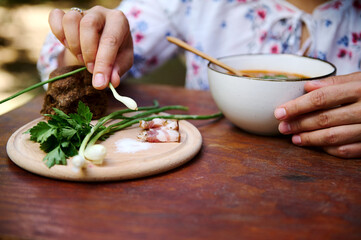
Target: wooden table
240, 186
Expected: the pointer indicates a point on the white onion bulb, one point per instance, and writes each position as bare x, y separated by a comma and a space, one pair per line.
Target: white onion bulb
95, 153
78, 162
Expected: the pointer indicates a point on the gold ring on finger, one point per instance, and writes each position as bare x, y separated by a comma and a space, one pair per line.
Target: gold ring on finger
79, 10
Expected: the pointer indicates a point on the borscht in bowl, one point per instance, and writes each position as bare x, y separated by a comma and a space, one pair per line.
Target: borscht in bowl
267, 81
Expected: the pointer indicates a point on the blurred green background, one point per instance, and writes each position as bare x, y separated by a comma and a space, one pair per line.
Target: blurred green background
23, 28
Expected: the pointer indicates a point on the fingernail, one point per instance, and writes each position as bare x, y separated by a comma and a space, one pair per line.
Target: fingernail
296, 139
284, 127
99, 80
280, 113
90, 67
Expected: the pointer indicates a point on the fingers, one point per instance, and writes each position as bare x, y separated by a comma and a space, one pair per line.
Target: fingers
349, 114
345, 151
56, 25
123, 61
327, 116
335, 136
322, 98
316, 84
65, 27
113, 37
91, 27
71, 24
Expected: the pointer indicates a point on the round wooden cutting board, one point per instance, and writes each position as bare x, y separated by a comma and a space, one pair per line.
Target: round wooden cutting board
118, 164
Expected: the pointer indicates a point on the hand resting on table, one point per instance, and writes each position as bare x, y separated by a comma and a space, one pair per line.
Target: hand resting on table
328, 116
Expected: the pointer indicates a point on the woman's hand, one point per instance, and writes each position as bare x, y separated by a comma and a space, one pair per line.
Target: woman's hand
328, 116
99, 38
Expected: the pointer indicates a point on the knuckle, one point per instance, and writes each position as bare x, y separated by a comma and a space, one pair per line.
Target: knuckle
296, 126
293, 108
332, 80
318, 98
356, 111
343, 152
358, 90
70, 18
97, 8
89, 21
110, 40
117, 14
323, 120
89, 55
54, 13
306, 140
330, 137
89, 52
103, 64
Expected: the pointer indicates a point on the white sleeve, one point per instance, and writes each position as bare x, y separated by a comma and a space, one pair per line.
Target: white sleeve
150, 24
48, 59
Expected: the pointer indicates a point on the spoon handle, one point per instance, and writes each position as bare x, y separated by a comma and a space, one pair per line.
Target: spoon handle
188, 47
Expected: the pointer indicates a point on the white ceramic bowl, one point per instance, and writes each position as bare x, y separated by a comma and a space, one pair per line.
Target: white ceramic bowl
249, 103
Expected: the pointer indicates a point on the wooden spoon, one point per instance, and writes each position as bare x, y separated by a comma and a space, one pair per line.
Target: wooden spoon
187, 47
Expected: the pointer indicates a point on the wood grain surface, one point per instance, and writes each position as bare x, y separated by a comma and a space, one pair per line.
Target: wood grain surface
239, 186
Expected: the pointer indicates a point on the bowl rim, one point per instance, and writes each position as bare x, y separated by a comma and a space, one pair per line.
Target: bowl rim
276, 80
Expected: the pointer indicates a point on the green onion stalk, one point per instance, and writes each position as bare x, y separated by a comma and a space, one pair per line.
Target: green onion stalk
94, 135
146, 114
42, 83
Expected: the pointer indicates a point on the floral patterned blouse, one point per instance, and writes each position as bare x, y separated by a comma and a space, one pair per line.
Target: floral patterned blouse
229, 27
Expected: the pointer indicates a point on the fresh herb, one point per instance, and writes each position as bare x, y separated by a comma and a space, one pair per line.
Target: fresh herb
70, 135
62, 135
279, 76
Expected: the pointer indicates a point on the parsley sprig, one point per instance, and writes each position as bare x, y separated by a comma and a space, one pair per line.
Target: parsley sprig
62, 135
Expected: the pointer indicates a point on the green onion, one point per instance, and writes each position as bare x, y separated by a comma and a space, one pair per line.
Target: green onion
148, 114
42, 83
